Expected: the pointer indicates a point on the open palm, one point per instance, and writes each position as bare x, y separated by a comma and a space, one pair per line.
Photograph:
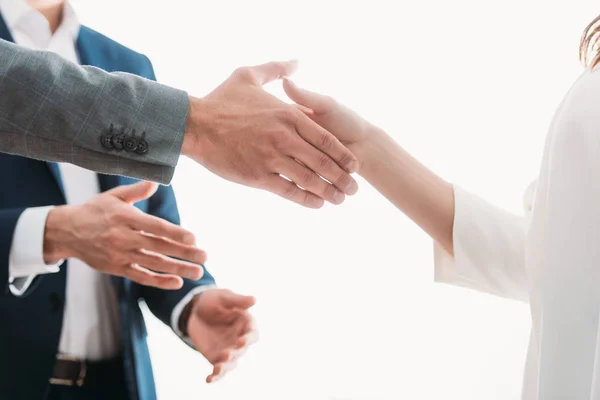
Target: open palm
220, 327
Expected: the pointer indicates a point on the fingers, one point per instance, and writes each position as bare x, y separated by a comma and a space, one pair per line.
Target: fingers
219, 370
324, 156
307, 179
290, 191
251, 337
160, 227
171, 248
160, 263
146, 277
309, 112
319, 103
326, 143
135, 192
228, 359
265, 73
233, 300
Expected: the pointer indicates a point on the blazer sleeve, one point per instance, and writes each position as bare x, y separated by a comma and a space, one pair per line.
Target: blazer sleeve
489, 249
162, 302
54, 110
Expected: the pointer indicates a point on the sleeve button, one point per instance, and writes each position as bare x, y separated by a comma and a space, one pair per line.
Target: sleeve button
142, 146
117, 140
106, 139
131, 142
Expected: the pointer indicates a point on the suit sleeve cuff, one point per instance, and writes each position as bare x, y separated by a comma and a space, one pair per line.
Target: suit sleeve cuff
26, 259
181, 305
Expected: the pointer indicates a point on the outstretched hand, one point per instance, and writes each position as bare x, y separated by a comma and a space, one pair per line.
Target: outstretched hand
243, 134
347, 126
112, 236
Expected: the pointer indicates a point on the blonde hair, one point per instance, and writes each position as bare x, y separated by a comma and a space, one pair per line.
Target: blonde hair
588, 47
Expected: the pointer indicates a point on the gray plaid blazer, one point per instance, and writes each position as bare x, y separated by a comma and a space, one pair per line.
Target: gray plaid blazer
54, 110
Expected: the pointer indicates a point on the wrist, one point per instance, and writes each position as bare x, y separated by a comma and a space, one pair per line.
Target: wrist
56, 233
376, 145
184, 317
197, 126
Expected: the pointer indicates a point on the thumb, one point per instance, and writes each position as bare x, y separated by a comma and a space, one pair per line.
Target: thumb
317, 102
268, 72
135, 192
232, 300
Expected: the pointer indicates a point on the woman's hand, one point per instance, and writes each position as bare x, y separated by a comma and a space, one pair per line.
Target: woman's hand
350, 129
112, 236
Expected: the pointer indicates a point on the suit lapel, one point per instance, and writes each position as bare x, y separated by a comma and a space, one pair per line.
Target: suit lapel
55, 171
4, 32
52, 167
91, 50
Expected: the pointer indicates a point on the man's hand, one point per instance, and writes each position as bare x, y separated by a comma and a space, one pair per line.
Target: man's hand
220, 328
245, 135
112, 236
349, 128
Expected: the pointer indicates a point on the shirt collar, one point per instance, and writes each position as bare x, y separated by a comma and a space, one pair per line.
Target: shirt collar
14, 11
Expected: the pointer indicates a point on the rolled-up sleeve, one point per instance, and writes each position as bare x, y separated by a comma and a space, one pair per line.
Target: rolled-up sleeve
489, 249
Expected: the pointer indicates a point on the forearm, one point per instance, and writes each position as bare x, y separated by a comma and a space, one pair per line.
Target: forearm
419, 193
54, 110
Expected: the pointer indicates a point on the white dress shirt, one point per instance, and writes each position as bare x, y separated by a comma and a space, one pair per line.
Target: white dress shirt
550, 257
91, 325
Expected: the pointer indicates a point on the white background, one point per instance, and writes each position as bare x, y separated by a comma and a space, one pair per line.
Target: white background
347, 308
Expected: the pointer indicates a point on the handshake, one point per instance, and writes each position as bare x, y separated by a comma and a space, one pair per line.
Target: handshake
305, 152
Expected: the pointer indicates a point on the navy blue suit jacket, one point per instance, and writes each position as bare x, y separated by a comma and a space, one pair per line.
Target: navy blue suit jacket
30, 325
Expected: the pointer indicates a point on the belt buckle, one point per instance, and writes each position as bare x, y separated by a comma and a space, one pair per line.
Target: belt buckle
80, 376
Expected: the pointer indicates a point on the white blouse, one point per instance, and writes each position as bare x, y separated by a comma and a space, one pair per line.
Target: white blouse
550, 256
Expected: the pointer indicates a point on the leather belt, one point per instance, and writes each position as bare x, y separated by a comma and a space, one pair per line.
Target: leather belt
70, 371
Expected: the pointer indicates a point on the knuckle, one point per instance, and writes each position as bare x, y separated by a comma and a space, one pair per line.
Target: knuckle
286, 115
290, 191
325, 140
342, 181
193, 255
277, 142
330, 102
329, 191
306, 199
307, 178
254, 177
121, 214
161, 226
346, 158
324, 162
244, 73
114, 237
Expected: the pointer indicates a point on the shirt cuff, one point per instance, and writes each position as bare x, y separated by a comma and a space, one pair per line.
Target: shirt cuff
26, 258
460, 268
181, 305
